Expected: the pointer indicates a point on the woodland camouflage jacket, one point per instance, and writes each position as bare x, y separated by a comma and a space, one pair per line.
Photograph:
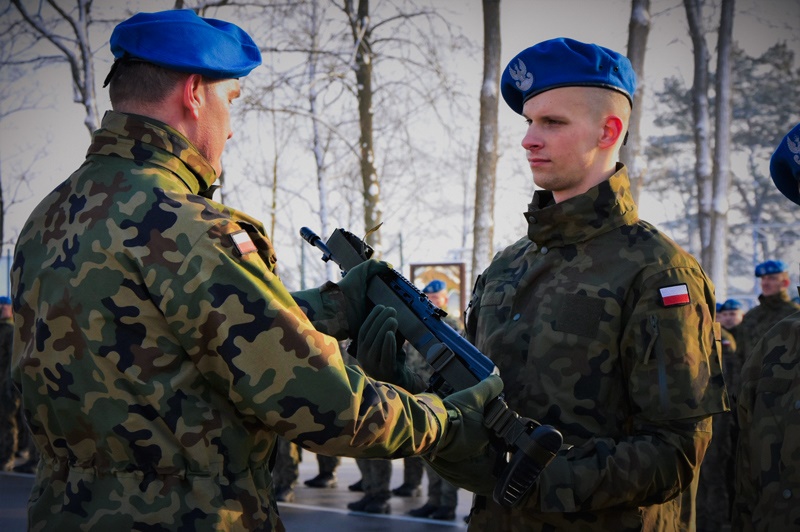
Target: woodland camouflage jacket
601, 326
159, 355
768, 455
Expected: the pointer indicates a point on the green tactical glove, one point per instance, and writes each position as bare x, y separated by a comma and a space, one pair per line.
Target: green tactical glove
354, 288
380, 351
474, 474
466, 436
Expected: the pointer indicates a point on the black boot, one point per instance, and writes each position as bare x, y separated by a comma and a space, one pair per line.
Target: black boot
360, 504
407, 490
323, 480
357, 486
423, 511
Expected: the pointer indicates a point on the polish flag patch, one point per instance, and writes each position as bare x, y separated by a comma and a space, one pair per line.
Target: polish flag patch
674, 295
242, 242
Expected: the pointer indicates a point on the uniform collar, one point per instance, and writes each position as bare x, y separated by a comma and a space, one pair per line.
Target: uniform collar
775, 300
144, 139
600, 209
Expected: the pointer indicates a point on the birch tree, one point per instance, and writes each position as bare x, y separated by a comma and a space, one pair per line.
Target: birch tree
718, 244
486, 173
702, 125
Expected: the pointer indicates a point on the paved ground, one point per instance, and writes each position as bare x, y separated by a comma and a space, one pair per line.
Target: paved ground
312, 507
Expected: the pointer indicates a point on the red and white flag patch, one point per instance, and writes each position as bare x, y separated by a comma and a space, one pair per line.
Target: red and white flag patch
242, 242
674, 295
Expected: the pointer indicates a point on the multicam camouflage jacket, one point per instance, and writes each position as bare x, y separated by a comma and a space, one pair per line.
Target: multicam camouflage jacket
159, 355
600, 326
768, 453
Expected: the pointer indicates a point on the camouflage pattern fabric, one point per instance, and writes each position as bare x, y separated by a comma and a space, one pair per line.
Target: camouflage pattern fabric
286, 470
716, 489
159, 355
574, 318
758, 320
9, 400
768, 453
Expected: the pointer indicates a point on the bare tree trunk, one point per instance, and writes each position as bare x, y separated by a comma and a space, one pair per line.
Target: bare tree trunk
317, 143
718, 246
631, 152
360, 26
702, 127
486, 175
76, 50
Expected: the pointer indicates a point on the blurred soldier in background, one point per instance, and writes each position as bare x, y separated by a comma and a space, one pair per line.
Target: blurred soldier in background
768, 454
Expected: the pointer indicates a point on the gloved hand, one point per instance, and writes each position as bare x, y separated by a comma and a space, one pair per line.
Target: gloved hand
476, 474
464, 456
354, 288
466, 436
380, 351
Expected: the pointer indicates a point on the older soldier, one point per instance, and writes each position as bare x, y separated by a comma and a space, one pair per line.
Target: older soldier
774, 304
158, 354
599, 323
768, 455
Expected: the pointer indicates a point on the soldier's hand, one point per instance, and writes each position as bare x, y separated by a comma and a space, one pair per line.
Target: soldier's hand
466, 436
354, 288
380, 353
474, 474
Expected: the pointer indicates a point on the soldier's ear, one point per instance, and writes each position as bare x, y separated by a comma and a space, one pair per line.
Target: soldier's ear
193, 95
613, 129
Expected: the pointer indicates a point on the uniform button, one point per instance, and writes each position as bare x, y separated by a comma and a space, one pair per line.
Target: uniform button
787, 494
516, 317
531, 220
544, 250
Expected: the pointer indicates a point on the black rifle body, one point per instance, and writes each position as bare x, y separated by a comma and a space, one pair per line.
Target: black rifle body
457, 365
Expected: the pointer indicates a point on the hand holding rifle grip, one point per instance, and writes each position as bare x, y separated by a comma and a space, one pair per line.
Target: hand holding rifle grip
457, 365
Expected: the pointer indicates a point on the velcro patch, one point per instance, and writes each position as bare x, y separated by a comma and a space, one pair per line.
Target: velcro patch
243, 243
675, 295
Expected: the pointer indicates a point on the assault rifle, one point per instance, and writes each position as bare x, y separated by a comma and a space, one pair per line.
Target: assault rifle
526, 446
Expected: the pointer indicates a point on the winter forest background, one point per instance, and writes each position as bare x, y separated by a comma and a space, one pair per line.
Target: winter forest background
389, 111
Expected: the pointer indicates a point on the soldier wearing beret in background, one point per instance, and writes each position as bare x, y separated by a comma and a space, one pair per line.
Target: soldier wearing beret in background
600, 325
768, 454
774, 304
158, 354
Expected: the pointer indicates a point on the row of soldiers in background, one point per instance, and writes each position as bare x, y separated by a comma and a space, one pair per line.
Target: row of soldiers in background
376, 474
740, 334
15, 442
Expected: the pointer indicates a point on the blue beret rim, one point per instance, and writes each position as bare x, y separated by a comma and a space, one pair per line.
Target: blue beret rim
565, 62
181, 40
434, 286
771, 267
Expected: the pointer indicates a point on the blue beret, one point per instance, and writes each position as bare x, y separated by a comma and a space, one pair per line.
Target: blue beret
565, 63
719, 307
770, 267
731, 304
784, 167
434, 286
5, 300
181, 40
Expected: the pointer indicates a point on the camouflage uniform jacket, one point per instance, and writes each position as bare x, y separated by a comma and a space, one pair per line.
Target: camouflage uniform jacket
574, 319
159, 355
759, 319
768, 454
